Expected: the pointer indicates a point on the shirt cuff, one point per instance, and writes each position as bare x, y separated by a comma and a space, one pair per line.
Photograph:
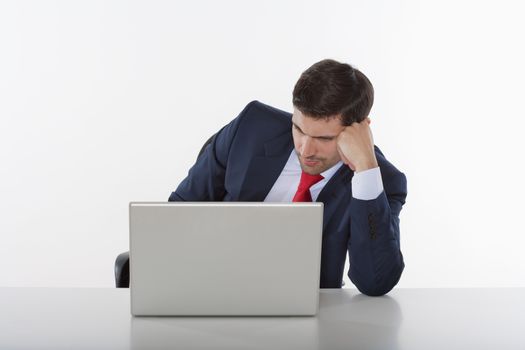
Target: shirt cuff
367, 184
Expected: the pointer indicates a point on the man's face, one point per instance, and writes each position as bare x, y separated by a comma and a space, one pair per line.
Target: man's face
315, 142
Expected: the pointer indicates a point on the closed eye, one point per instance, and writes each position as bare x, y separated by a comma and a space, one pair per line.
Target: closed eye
322, 138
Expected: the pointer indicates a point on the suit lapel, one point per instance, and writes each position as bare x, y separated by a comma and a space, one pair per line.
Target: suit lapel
335, 191
263, 171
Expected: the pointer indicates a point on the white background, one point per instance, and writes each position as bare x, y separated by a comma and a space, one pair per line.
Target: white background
106, 102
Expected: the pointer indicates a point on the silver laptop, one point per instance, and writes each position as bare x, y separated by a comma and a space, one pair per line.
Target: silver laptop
225, 258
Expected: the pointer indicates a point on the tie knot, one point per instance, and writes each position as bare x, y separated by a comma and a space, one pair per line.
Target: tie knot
308, 180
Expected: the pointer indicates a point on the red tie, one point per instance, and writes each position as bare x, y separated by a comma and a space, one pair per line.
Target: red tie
303, 191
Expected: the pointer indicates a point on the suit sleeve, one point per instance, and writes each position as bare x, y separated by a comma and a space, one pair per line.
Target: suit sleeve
205, 179
376, 261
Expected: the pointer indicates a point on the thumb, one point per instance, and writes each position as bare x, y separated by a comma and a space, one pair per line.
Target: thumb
343, 158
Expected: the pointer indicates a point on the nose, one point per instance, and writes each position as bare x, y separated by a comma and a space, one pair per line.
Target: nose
307, 149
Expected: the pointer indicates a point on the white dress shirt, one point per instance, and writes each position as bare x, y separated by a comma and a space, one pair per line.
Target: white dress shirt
366, 184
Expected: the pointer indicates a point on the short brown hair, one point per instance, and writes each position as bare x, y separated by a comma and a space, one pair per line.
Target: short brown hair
330, 88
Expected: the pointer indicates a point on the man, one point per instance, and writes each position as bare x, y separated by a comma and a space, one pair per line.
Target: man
323, 152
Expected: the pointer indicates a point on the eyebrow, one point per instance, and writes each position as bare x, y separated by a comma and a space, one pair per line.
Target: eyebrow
325, 137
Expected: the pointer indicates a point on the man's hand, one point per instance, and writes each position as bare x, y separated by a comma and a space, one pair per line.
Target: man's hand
356, 146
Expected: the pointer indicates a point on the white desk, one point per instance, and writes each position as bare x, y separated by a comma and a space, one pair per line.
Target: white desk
57, 318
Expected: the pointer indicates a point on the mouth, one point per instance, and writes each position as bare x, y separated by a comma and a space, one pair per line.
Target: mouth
311, 162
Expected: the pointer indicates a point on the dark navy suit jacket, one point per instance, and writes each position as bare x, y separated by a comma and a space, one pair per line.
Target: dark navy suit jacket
246, 157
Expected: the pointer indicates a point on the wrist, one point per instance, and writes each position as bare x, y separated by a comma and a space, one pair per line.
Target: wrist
370, 164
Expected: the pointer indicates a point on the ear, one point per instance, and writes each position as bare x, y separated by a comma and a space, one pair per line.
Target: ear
368, 120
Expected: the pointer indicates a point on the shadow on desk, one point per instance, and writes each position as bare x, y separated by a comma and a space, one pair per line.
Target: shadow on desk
345, 321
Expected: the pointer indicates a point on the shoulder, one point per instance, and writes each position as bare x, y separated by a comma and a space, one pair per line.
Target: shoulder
256, 119
259, 114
